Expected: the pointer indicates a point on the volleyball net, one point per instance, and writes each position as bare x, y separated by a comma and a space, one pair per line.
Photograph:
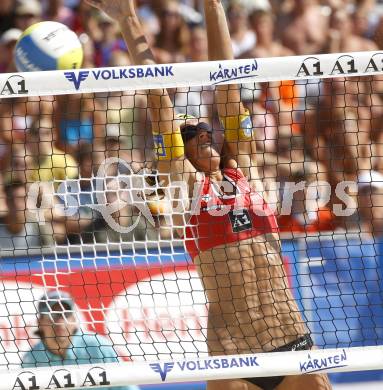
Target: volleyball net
88, 221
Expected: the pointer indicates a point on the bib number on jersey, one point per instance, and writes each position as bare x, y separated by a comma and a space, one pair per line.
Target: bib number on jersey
240, 220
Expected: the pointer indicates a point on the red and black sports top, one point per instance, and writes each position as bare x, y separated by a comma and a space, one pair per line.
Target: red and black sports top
233, 213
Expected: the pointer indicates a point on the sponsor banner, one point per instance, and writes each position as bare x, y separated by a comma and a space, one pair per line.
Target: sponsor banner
194, 370
191, 74
151, 304
140, 309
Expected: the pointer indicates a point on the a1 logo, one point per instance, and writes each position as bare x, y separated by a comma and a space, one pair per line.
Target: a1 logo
15, 85
240, 220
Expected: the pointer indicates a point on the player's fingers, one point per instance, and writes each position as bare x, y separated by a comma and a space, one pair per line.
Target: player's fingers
94, 3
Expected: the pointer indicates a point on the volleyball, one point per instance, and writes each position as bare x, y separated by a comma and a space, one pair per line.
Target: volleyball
48, 46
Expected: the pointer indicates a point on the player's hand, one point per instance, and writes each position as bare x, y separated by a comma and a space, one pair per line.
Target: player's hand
116, 9
213, 2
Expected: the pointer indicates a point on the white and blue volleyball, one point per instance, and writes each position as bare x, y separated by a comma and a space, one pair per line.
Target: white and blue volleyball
48, 46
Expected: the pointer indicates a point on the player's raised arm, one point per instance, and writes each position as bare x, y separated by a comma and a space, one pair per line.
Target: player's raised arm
167, 137
234, 117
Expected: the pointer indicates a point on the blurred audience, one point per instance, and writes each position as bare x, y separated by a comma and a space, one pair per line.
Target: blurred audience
7, 45
172, 37
309, 131
262, 23
343, 37
27, 12
303, 27
243, 38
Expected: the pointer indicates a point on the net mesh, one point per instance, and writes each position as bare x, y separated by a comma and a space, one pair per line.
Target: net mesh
85, 212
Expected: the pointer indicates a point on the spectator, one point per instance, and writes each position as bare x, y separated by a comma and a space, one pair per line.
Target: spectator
108, 41
341, 36
173, 35
83, 18
262, 23
56, 10
27, 12
17, 115
376, 110
243, 39
263, 119
49, 166
78, 121
364, 22
7, 45
125, 118
6, 15
196, 101
44, 161
303, 28
89, 51
337, 137
62, 342
197, 46
17, 230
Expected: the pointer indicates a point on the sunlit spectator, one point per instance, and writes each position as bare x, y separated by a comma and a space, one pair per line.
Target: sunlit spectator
27, 12
243, 39
48, 166
89, 50
17, 230
7, 45
262, 23
82, 17
303, 28
173, 35
57, 10
62, 341
197, 46
17, 116
341, 35
78, 121
109, 40
45, 162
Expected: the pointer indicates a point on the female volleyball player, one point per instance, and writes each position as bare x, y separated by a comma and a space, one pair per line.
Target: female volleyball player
237, 252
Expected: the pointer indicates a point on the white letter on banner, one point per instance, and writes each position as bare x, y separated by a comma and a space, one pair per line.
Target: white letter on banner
288, 193
349, 201
318, 194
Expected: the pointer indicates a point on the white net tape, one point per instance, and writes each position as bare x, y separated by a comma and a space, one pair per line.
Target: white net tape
191, 74
144, 295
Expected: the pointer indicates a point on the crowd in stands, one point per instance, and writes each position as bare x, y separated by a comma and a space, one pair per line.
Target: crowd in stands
326, 131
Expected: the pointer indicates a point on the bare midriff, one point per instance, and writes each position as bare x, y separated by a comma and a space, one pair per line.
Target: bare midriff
251, 307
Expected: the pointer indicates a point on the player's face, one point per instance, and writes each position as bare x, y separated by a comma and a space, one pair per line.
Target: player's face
57, 328
263, 25
201, 152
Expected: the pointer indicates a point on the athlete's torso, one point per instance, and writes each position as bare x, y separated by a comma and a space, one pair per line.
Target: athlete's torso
233, 213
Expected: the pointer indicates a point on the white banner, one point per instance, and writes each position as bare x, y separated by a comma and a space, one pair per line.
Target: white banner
191, 74
192, 370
